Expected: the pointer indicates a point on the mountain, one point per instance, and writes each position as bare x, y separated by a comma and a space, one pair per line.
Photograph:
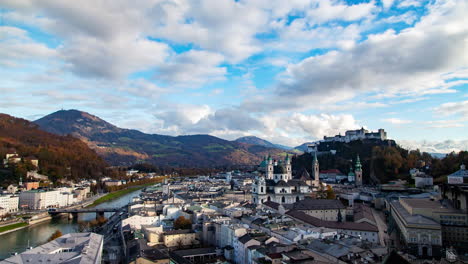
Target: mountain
304, 147
126, 146
252, 140
58, 156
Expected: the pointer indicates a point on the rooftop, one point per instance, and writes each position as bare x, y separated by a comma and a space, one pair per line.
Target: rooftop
410, 219
70, 248
308, 219
318, 204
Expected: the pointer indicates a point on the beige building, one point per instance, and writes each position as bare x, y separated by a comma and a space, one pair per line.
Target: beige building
179, 238
322, 209
153, 234
39, 199
420, 234
8, 204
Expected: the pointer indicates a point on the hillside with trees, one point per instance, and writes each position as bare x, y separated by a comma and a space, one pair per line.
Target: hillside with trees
381, 161
60, 157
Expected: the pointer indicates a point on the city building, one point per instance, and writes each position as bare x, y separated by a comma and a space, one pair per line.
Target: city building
422, 180
459, 177
180, 238
83, 248
332, 176
275, 182
8, 204
41, 199
323, 209
421, 235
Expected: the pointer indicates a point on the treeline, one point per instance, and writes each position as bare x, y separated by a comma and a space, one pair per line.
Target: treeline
60, 157
381, 161
164, 170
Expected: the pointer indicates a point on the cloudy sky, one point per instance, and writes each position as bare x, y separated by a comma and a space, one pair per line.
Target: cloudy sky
287, 71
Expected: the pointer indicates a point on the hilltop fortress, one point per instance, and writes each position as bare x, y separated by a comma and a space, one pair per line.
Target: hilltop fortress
359, 134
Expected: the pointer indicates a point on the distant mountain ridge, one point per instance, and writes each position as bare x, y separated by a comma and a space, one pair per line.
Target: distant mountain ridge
253, 140
126, 146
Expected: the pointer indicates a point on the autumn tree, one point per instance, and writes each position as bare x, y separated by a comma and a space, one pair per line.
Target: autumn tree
330, 193
182, 223
55, 235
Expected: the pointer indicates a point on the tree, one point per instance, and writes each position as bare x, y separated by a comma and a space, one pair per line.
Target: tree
182, 223
330, 193
55, 235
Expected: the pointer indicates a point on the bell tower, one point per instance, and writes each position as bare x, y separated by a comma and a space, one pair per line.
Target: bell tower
358, 171
315, 170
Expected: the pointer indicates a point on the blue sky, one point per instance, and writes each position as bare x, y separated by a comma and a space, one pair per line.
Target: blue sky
287, 71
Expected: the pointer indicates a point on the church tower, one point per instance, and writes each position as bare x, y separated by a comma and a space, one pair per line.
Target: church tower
315, 170
287, 165
269, 168
358, 171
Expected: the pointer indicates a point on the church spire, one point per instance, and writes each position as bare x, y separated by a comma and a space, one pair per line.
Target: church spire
358, 165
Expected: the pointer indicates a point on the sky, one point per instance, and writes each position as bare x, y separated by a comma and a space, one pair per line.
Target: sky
286, 71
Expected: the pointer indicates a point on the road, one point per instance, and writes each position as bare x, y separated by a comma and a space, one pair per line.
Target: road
112, 241
381, 225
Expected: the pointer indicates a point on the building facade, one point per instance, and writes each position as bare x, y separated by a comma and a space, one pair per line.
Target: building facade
274, 182
421, 235
8, 204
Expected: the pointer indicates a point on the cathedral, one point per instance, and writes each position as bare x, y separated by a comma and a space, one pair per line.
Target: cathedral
275, 182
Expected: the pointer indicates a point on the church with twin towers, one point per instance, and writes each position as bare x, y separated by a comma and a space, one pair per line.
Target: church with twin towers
275, 182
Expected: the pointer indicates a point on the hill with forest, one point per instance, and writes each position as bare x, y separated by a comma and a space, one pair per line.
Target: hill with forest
126, 146
59, 156
382, 160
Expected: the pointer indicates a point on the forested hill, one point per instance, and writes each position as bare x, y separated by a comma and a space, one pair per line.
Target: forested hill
59, 156
381, 161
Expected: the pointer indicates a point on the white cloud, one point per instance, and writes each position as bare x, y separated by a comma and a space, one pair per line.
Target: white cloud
387, 3
434, 47
446, 146
409, 3
453, 108
193, 68
18, 48
336, 10
397, 121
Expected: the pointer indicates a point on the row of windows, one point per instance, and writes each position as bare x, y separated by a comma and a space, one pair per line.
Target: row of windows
452, 217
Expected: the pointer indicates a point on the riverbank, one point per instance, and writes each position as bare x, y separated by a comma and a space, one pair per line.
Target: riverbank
114, 195
117, 194
13, 227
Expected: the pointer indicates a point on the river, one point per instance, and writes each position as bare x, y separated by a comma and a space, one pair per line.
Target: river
38, 234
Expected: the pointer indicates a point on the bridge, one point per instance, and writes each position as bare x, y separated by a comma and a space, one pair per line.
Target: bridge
73, 212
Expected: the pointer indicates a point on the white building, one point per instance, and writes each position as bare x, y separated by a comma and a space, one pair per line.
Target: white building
240, 247
40, 199
136, 221
422, 180
8, 204
275, 183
